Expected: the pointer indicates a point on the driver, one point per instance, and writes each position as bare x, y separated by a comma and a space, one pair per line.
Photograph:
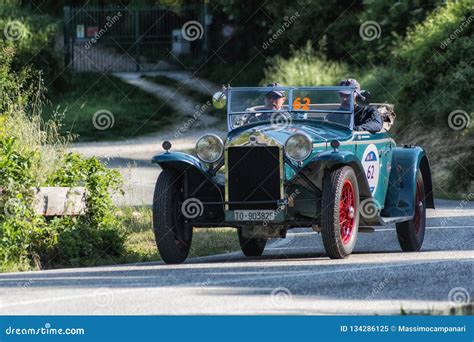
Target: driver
273, 100
366, 118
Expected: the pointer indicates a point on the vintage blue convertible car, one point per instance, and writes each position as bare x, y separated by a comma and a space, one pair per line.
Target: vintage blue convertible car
300, 165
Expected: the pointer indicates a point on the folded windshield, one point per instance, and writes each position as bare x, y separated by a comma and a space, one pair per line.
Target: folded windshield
284, 104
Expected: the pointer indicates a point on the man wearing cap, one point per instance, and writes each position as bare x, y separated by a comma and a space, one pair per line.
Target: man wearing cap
366, 118
273, 100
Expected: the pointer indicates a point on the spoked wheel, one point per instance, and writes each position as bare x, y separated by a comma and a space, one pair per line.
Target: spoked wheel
173, 237
412, 233
251, 247
340, 212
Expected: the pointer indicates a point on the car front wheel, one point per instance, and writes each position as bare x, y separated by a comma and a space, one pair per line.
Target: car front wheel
173, 237
412, 233
340, 212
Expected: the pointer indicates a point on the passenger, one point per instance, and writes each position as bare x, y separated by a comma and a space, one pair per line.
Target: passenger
366, 118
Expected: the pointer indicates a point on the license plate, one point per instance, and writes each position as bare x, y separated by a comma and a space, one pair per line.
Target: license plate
254, 215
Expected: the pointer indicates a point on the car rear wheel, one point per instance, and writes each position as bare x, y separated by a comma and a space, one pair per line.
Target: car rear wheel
251, 247
412, 233
340, 212
173, 237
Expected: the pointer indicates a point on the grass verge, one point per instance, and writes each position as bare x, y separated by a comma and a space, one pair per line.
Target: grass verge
141, 245
134, 112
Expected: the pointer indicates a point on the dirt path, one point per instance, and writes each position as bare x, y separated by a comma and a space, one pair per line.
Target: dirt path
132, 157
184, 104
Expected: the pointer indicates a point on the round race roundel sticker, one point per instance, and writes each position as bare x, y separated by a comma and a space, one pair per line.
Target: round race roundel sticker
370, 162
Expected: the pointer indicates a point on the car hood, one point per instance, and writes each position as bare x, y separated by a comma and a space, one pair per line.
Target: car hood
317, 132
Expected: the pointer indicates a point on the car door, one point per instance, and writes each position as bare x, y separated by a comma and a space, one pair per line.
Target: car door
375, 154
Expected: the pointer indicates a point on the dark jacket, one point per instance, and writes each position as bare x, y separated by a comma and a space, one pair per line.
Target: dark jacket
367, 118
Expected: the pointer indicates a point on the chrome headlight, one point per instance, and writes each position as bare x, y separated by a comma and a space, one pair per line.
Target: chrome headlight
209, 148
298, 147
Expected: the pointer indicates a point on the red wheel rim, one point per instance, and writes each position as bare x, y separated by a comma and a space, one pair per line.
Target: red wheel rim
347, 211
418, 208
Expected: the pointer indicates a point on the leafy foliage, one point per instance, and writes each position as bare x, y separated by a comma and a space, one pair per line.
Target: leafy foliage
304, 67
33, 36
33, 154
422, 63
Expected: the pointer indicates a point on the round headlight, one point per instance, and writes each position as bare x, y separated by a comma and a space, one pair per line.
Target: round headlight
209, 148
298, 147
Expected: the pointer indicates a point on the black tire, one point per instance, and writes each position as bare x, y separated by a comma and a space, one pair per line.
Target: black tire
173, 238
251, 247
339, 241
412, 233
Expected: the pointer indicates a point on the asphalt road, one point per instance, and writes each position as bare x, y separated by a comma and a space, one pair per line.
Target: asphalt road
292, 277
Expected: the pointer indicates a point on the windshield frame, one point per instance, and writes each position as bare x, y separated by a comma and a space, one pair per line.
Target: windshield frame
289, 92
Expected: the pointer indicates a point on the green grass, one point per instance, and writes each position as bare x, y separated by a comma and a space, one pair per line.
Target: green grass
134, 111
140, 244
141, 240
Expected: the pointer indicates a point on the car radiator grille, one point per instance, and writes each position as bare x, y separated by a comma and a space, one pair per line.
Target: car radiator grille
253, 175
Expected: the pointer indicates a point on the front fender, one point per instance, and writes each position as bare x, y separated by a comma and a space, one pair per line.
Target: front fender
180, 162
329, 160
400, 199
198, 184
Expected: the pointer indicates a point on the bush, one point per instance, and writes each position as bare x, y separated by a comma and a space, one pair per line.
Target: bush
438, 74
393, 18
33, 154
237, 74
426, 73
304, 67
33, 36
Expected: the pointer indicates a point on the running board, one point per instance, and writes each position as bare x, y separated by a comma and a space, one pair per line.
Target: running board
389, 220
366, 229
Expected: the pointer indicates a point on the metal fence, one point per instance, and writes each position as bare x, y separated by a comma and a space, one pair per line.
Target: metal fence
115, 38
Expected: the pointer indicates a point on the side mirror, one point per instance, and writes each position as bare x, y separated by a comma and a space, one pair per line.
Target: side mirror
219, 100
364, 97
